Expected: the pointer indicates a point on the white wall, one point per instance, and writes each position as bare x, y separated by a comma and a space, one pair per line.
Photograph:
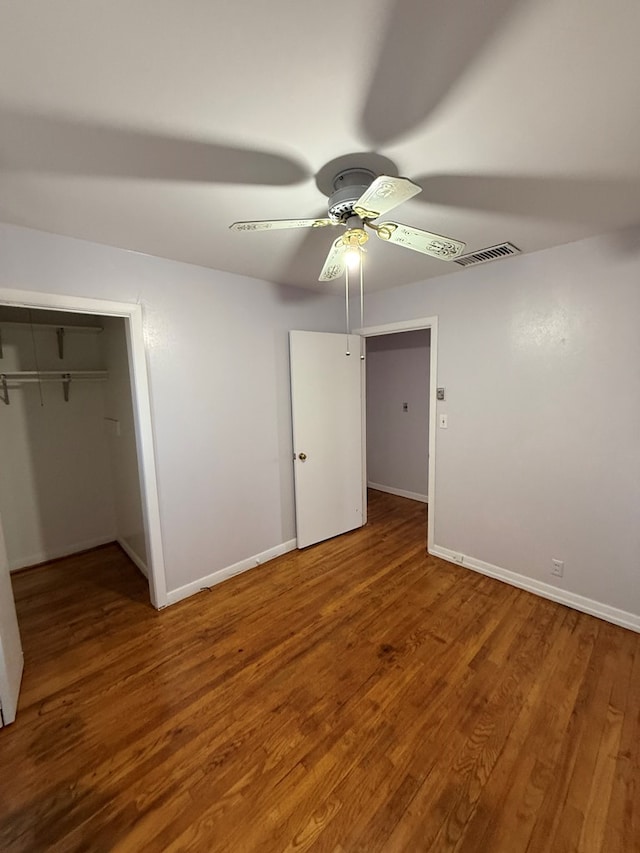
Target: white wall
122, 442
55, 488
397, 370
540, 355
219, 381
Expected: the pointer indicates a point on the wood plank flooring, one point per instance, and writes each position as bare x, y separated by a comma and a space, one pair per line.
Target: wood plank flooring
358, 696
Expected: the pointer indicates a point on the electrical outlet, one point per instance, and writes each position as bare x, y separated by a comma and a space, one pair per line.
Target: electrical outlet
557, 568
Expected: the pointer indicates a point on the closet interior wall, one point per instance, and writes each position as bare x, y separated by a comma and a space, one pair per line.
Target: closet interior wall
69, 469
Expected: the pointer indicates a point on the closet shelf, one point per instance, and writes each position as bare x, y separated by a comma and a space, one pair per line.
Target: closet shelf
95, 329
60, 329
15, 378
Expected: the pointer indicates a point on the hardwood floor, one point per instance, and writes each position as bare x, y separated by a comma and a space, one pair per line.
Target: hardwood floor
358, 696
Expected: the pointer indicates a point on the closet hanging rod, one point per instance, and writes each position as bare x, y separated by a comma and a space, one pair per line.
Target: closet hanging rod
24, 377
74, 374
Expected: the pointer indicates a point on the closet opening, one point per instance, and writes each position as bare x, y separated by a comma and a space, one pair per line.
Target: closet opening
75, 425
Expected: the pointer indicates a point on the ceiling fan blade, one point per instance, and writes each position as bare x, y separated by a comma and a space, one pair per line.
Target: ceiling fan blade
436, 245
277, 224
48, 144
335, 263
383, 195
427, 48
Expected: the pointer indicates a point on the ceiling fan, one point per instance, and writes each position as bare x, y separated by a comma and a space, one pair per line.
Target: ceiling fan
360, 190
358, 199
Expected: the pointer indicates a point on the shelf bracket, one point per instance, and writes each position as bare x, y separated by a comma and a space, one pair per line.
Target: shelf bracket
60, 334
66, 384
5, 390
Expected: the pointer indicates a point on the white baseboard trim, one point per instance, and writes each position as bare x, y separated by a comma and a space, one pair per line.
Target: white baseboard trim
55, 554
220, 575
401, 493
134, 557
545, 590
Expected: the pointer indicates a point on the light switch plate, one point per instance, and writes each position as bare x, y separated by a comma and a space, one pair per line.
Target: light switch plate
440, 393
443, 421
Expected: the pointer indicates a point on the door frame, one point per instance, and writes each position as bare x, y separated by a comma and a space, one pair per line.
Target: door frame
411, 326
143, 421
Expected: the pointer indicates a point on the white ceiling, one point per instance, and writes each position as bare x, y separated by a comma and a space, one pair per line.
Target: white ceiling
120, 120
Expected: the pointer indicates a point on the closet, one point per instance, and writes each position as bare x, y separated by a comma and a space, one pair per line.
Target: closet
69, 478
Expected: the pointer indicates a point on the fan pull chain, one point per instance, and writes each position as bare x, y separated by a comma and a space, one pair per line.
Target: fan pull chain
361, 292
346, 305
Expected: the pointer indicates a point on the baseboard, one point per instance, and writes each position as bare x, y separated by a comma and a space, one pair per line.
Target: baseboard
401, 493
134, 557
236, 569
545, 590
57, 554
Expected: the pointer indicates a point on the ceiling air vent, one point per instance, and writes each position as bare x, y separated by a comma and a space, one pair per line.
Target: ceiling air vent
493, 253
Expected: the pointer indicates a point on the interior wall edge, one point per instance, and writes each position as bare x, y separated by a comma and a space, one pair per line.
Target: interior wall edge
173, 596
571, 599
135, 558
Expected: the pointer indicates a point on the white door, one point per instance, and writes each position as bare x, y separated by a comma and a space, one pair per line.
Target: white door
11, 660
326, 402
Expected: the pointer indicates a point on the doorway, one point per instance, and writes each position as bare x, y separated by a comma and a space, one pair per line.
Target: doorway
425, 407
397, 400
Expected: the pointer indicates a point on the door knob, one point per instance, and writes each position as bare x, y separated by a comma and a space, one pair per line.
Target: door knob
302, 456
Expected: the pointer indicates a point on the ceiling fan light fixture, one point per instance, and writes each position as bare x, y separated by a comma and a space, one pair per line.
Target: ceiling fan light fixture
353, 240
352, 257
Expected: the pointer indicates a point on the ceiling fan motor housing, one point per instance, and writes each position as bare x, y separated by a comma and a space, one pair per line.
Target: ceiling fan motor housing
348, 186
